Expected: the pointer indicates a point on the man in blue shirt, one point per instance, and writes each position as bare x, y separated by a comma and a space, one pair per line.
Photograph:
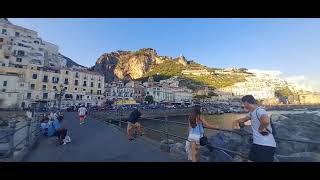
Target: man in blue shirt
55, 129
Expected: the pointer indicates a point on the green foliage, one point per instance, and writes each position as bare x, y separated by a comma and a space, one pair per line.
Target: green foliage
166, 69
212, 94
283, 92
216, 81
149, 99
243, 70
169, 69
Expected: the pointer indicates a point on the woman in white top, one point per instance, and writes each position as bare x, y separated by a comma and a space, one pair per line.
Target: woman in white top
196, 131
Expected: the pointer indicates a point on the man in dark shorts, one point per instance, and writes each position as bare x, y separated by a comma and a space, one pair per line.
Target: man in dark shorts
133, 123
264, 144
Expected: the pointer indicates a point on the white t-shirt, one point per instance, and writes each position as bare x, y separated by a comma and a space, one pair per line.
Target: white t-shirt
82, 111
255, 124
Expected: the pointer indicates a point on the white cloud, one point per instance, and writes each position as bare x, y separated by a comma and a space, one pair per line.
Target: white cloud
301, 81
304, 82
270, 72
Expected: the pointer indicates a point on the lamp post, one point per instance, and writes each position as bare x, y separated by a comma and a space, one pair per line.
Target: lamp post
61, 93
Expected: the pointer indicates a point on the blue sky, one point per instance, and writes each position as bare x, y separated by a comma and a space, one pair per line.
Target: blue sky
291, 46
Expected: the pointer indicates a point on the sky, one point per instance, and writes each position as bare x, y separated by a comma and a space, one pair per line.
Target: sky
290, 46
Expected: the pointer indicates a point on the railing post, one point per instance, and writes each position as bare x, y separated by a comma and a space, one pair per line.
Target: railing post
120, 118
166, 131
12, 127
29, 135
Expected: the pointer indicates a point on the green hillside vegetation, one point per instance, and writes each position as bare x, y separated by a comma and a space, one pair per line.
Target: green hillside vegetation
283, 92
171, 68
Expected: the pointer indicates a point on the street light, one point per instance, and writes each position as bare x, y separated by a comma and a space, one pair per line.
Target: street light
61, 93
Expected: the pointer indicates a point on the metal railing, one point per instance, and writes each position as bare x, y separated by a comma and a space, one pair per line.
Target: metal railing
166, 133
14, 150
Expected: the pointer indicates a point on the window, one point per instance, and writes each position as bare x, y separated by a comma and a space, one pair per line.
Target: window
85, 77
44, 87
38, 68
83, 89
17, 34
1, 39
91, 91
45, 95
65, 88
22, 85
84, 83
19, 60
77, 74
55, 80
66, 81
28, 95
67, 72
4, 83
54, 87
76, 89
98, 91
87, 97
76, 82
99, 85
91, 84
4, 31
37, 42
20, 53
56, 96
45, 78
0, 46
32, 86
3, 64
34, 76
3, 90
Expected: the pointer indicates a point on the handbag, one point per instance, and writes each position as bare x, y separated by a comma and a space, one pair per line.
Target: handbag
203, 140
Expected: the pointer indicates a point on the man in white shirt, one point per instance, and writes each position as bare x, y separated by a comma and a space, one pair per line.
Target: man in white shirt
82, 114
264, 145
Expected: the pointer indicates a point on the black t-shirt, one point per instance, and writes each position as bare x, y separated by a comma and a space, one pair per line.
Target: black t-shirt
134, 116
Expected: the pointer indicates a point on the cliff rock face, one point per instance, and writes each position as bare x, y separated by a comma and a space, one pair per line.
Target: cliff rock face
123, 65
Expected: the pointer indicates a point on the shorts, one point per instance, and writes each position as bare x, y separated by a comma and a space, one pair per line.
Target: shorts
82, 117
259, 153
133, 126
194, 137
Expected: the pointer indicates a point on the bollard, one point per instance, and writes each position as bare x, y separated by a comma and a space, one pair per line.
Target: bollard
12, 127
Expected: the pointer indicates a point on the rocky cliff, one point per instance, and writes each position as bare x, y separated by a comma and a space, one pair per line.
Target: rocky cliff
124, 65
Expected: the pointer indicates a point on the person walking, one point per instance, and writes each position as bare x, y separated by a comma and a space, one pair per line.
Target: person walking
82, 111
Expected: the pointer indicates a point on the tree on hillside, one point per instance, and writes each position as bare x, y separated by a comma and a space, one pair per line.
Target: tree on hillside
243, 70
284, 92
149, 99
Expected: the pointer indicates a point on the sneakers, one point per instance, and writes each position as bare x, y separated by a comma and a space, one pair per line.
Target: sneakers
81, 123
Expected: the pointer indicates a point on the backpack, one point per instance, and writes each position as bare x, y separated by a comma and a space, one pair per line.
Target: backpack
273, 130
